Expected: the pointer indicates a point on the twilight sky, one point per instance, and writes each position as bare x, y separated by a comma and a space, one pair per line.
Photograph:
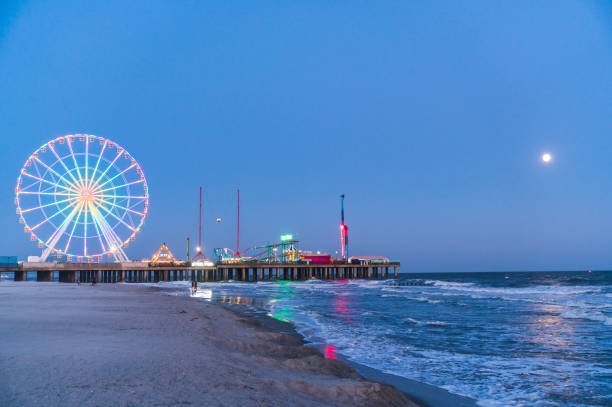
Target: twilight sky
430, 117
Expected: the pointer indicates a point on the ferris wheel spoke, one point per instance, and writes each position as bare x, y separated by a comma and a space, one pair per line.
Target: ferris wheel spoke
104, 227
41, 187
95, 223
121, 207
114, 177
56, 173
111, 237
131, 219
55, 184
86, 162
119, 219
54, 238
76, 222
95, 184
76, 165
120, 186
36, 167
47, 205
46, 193
61, 161
93, 174
114, 242
85, 229
53, 216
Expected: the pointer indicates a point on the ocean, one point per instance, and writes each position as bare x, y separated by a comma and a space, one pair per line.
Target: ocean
504, 339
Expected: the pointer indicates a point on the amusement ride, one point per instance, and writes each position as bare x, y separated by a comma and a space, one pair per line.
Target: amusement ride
82, 197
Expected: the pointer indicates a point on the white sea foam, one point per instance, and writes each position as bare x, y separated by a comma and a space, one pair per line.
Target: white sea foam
584, 314
589, 305
542, 289
514, 399
429, 323
442, 283
409, 298
411, 320
436, 323
424, 299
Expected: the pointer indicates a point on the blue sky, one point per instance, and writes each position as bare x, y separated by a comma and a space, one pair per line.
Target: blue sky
429, 116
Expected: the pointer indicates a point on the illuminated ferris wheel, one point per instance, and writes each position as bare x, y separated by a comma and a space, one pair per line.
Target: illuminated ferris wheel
82, 197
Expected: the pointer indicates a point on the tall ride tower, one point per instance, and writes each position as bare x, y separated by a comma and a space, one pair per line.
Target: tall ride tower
343, 231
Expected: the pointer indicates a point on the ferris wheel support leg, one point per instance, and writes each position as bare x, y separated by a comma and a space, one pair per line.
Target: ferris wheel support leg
120, 255
45, 254
58, 233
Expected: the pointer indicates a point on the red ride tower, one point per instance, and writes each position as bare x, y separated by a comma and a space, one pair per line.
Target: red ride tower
343, 231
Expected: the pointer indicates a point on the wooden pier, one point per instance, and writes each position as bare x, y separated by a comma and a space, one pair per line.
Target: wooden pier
253, 272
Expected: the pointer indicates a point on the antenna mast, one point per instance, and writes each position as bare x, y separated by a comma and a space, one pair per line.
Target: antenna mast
238, 227
199, 255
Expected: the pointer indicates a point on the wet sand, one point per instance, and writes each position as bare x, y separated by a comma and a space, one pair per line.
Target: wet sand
122, 345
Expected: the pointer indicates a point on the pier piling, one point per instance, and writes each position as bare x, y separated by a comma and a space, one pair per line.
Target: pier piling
21, 275
252, 272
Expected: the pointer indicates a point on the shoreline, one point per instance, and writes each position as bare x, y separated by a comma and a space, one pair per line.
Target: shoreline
423, 394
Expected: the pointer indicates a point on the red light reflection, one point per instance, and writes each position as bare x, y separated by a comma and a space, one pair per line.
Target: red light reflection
342, 305
329, 351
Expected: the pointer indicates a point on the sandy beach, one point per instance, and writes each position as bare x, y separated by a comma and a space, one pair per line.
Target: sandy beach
71, 345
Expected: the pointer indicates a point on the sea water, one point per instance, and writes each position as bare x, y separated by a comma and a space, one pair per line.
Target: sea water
504, 339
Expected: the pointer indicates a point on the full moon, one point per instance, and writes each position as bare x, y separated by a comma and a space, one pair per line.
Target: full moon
546, 157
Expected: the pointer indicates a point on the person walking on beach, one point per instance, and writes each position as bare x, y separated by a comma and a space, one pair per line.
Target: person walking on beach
93, 281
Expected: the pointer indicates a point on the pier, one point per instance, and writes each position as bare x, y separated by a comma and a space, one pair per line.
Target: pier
248, 272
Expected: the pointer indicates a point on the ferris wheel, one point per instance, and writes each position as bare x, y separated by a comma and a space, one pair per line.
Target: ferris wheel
82, 197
